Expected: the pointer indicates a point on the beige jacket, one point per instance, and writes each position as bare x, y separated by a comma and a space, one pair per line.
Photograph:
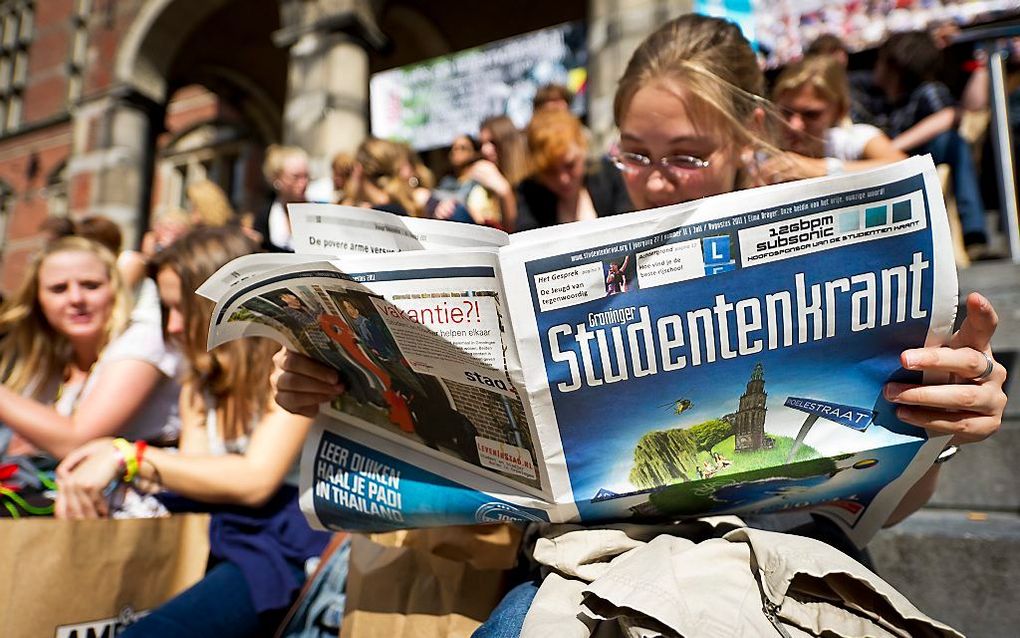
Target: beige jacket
714, 578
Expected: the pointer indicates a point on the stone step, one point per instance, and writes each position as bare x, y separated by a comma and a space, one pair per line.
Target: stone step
959, 567
984, 475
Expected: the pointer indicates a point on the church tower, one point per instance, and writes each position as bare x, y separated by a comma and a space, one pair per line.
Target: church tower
749, 420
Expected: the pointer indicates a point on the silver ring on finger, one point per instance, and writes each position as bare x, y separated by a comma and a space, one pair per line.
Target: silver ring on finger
988, 368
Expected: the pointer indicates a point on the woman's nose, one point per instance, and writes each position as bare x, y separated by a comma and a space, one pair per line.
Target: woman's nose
174, 322
657, 181
75, 293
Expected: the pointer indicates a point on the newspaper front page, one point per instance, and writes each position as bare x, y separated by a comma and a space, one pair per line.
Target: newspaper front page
722, 356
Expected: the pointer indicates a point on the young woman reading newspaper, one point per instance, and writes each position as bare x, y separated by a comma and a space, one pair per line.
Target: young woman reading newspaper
693, 123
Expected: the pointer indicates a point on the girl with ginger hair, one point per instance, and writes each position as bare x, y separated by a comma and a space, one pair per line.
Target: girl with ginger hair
74, 366
561, 187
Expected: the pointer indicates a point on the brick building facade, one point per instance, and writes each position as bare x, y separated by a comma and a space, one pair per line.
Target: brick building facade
112, 106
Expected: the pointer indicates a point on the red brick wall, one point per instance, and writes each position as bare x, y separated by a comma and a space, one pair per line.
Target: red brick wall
50, 147
45, 100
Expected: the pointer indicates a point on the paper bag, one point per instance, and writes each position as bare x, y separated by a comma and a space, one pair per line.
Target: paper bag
72, 579
430, 582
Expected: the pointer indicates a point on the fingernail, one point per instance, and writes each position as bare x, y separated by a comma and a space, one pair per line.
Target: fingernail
333, 378
910, 359
893, 390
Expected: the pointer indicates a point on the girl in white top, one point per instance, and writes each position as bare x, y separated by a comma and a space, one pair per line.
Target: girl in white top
74, 367
813, 96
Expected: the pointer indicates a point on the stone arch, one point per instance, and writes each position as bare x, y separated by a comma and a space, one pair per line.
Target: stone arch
416, 36
153, 40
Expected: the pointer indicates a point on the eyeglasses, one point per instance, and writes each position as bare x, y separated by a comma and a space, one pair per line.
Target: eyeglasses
634, 163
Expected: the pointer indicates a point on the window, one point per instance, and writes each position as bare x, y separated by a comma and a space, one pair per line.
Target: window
79, 50
16, 33
56, 191
6, 204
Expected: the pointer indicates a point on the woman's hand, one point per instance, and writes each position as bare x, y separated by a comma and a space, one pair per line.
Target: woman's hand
82, 478
300, 384
445, 209
970, 405
488, 175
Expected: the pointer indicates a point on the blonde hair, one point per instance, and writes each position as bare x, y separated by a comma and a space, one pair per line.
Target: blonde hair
821, 72
713, 60
343, 162
31, 351
551, 134
210, 203
381, 161
276, 156
236, 373
511, 150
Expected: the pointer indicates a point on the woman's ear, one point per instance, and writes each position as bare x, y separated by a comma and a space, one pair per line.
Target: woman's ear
757, 121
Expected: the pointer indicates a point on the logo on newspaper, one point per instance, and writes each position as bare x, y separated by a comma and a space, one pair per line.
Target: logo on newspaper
496, 512
811, 232
717, 254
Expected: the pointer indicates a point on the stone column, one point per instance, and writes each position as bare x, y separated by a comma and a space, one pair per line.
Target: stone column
615, 28
327, 92
112, 161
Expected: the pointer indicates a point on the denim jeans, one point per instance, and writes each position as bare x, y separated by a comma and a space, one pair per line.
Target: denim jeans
949, 148
507, 619
218, 606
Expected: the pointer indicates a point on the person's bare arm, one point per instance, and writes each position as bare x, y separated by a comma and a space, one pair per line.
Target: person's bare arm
248, 479
118, 394
927, 129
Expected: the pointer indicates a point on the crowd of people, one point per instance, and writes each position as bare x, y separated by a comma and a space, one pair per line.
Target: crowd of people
106, 375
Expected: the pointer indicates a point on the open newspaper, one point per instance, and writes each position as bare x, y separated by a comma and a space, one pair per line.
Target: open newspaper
721, 356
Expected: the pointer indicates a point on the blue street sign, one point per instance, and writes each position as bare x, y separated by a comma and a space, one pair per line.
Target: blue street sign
846, 415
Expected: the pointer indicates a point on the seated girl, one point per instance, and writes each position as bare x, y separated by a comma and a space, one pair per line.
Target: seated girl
74, 366
238, 453
813, 96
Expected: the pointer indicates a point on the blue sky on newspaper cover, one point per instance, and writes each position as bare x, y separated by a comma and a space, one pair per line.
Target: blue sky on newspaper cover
602, 426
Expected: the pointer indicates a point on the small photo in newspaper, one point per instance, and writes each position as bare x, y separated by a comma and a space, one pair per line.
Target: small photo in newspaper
399, 375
